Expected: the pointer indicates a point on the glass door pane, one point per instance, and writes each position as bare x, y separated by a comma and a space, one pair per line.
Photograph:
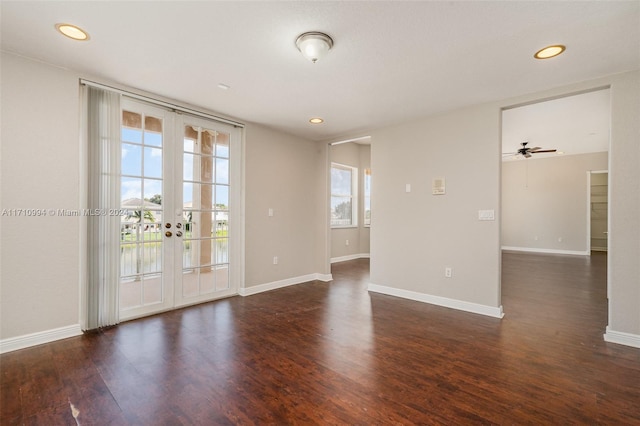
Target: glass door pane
205, 211
142, 246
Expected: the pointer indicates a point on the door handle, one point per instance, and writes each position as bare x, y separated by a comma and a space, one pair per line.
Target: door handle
168, 233
179, 234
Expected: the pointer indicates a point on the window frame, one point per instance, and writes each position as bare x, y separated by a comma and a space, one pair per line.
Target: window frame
353, 196
366, 196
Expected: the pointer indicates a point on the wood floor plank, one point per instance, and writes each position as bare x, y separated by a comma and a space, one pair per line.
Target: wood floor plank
332, 353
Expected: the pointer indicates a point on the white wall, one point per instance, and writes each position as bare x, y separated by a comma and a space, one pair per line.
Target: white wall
545, 200
416, 235
283, 173
358, 156
40, 170
624, 206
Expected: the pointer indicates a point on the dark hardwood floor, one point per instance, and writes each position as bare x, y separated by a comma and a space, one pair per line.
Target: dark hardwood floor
331, 353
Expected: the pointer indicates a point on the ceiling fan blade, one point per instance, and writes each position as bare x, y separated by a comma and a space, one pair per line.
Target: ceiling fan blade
504, 154
535, 149
526, 155
544, 150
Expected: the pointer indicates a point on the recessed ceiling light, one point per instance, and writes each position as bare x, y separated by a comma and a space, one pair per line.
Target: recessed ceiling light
560, 152
316, 120
549, 51
72, 31
224, 86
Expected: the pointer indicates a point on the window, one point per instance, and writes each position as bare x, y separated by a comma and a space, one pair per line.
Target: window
367, 197
343, 195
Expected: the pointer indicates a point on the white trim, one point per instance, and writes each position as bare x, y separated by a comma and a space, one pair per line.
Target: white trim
357, 140
589, 248
350, 257
260, 288
242, 217
324, 277
33, 339
438, 300
622, 338
548, 251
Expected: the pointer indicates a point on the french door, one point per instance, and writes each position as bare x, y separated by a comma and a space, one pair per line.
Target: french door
179, 198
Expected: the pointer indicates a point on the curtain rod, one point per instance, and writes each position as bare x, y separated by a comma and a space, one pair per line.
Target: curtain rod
159, 102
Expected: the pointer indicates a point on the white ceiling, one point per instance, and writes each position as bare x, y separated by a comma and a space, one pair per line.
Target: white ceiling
392, 61
572, 125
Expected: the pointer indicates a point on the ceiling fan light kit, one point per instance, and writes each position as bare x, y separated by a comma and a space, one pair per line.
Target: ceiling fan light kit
526, 152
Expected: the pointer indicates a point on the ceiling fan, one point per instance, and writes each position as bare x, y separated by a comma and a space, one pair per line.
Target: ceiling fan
526, 151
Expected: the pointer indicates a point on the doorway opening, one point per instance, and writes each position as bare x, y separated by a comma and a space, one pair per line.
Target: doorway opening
549, 148
351, 177
598, 211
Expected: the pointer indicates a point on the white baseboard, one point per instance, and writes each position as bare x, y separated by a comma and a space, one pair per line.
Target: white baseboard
547, 251
350, 257
622, 338
260, 288
440, 301
34, 339
324, 277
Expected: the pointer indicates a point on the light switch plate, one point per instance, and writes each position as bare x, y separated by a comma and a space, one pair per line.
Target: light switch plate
486, 215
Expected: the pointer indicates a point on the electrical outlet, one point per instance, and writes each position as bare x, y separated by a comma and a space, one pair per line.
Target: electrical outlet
346, 243
275, 260
448, 272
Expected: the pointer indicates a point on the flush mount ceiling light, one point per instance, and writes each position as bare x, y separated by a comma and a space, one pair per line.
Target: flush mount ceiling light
72, 31
316, 120
314, 45
549, 51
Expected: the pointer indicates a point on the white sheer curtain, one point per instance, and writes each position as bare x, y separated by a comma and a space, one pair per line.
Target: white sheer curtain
103, 227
